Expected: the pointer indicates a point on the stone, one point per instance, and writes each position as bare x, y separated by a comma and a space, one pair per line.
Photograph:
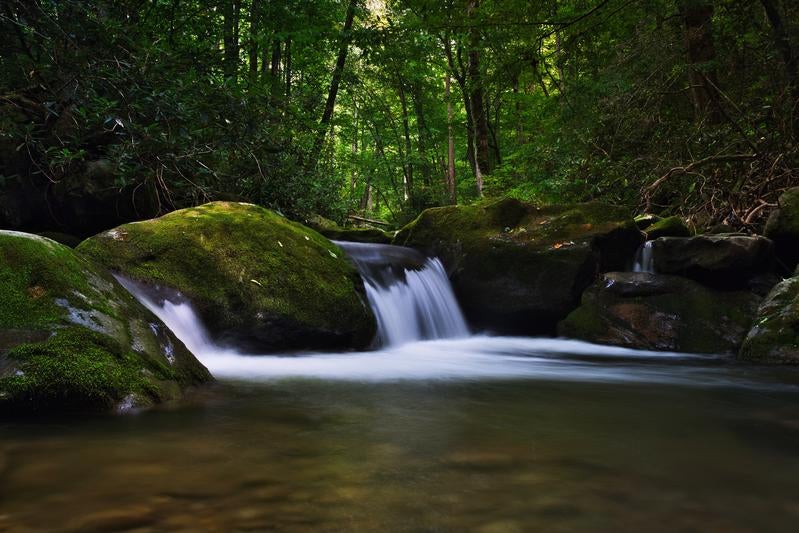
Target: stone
725, 260
782, 227
518, 268
258, 280
660, 312
668, 227
71, 338
774, 337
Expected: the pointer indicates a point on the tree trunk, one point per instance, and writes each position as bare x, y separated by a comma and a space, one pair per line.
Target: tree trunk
450, 147
230, 13
408, 165
698, 19
476, 97
254, 22
423, 140
338, 72
783, 45
288, 68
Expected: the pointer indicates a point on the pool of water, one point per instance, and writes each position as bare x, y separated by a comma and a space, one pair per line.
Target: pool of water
488, 435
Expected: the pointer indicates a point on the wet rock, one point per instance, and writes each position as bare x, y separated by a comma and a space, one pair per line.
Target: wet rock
783, 228
258, 280
71, 338
774, 337
667, 227
726, 261
519, 268
334, 232
659, 312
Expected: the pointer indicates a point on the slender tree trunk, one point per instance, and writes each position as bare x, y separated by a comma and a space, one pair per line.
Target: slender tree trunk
459, 72
783, 45
450, 147
288, 69
338, 72
476, 97
423, 134
518, 108
254, 28
408, 165
230, 13
698, 19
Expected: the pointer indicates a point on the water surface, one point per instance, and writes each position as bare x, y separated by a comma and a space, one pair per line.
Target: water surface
577, 441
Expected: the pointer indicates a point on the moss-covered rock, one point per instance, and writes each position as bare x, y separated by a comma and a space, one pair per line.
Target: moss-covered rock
656, 312
667, 227
725, 260
645, 220
257, 279
72, 338
783, 228
334, 232
774, 337
519, 268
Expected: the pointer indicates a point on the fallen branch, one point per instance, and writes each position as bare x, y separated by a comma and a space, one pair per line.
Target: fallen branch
368, 220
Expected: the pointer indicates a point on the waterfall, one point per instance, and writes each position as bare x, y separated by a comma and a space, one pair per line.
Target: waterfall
410, 295
644, 261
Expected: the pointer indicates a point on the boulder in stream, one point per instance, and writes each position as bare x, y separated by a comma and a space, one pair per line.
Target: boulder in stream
783, 228
258, 280
520, 268
659, 312
71, 338
774, 337
724, 260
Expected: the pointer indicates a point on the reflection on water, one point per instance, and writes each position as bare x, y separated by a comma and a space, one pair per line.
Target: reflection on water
497, 455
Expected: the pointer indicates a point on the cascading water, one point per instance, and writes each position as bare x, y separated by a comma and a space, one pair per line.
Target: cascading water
644, 260
410, 295
413, 301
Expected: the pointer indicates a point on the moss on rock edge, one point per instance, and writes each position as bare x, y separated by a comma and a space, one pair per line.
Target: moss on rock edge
256, 278
72, 338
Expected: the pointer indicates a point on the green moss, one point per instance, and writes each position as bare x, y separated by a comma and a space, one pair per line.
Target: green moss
774, 338
667, 227
244, 266
74, 368
785, 220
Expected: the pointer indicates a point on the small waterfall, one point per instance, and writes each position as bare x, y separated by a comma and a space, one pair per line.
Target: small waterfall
644, 261
410, 295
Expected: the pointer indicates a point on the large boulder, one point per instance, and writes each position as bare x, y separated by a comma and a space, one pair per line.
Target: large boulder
519, 268
72, 338
657, 312
783, 228
726, 261
258, 280
774, 338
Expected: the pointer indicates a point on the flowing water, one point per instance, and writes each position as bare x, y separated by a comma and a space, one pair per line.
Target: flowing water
468, 433
644, 260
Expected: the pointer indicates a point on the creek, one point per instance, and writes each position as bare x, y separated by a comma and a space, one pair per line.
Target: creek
436, 429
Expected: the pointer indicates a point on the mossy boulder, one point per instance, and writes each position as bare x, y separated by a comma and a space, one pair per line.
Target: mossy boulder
783, 228
667, 227
774, 337
334, 232
520, 268
724, 260
71, 338
657, 312
645, 220
258, 280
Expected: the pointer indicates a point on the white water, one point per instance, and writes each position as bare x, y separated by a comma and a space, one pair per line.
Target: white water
411, 296
644, 260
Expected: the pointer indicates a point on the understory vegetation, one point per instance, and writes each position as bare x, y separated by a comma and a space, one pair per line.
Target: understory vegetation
377, 109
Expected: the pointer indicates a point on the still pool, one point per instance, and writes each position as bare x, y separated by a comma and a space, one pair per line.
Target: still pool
574, 441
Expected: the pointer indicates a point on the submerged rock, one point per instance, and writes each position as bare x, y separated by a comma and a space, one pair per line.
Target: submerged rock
72, 338
657, 312
783, 228
518, 268
727, 261
257, 279
774, 338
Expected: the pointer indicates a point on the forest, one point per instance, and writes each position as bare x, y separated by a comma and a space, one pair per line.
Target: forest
112, 111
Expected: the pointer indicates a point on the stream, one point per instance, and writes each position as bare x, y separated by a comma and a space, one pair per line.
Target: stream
436, 429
